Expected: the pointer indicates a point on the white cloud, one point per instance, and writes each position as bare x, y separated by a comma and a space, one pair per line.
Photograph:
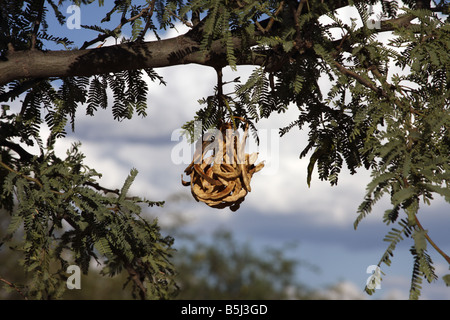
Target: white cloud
396, 294
397, 287
344, 290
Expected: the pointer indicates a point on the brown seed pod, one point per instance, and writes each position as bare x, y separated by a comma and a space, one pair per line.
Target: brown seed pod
223, 179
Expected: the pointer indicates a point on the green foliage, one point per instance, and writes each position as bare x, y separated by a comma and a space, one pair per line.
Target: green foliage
65, 220
423, 268
446, 279
409, 147
65, 216
399, 131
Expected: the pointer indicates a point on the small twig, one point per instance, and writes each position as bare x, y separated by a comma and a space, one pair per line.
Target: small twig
442, 253
220, 95
140, 14
148, 22
341, 44
277, 12
37, 24
12, 285
260, 27
100, 188
359, 78
115, 191
271, 20
146, 11
99, 38
24, 155
185, 22
295, 15
4, 165
300, 6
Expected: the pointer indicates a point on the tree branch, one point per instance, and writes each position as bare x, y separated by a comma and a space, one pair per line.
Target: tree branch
180, 50
128, 56
35, 180
24, 86
387, 25
359, 78
37, 25
136, 277
24, 155
148, 22
147, 11
271, 20
442, 253
12, 285
100, 188
184, 49
392, 24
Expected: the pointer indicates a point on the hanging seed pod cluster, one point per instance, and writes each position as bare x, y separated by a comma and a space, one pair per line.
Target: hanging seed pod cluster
222, 179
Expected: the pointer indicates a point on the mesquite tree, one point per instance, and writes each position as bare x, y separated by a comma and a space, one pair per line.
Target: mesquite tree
387, 111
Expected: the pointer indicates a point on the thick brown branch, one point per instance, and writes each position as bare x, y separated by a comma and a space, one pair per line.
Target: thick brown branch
163, 53
184, 49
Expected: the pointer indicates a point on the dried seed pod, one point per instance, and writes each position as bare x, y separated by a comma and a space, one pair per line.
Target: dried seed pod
223, 179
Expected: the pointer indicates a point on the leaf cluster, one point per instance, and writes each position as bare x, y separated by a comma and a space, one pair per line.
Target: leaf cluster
23, 25
64, 217
409, 148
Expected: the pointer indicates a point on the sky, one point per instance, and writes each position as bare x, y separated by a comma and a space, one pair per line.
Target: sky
281, 209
